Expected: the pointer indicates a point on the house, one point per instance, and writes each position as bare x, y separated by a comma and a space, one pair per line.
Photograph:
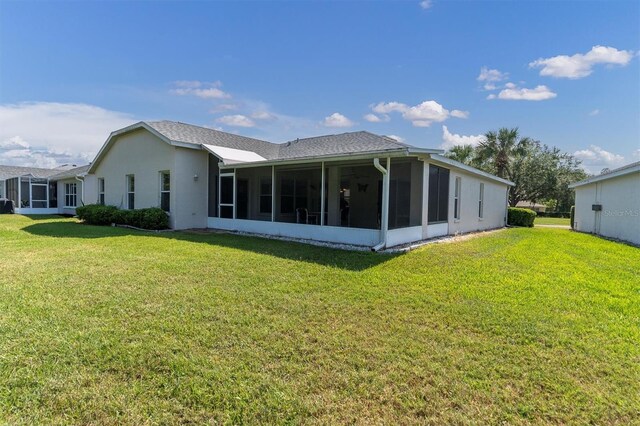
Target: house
536, 207
43, 191
355, 188
609, 204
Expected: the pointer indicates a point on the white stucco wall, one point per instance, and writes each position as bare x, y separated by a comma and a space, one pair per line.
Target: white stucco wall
620, 215
495, 203
144, 155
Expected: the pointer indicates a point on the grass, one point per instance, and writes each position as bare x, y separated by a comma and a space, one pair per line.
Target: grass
103, 325
552, 221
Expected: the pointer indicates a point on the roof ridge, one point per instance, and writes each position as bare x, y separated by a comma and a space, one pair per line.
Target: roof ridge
208, 129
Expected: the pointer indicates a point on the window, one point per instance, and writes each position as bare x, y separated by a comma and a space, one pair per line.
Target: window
165, 191
70, 194
39, 189
131, 192
227, 196
1, 189
481, 202
438, 209
101, 191
456, 199
265, 195
293, 195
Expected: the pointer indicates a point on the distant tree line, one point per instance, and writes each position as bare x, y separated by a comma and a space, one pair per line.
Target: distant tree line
541, 173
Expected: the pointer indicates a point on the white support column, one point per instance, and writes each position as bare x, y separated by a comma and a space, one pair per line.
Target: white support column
235, 201
30, 194
47, 193
425, 200
273, 193
322, 196
385, 198
19, 200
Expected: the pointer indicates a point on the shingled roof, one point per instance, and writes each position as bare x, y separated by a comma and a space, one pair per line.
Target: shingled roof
8, 172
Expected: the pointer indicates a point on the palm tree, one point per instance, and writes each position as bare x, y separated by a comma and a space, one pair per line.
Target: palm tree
461, 153
499, 150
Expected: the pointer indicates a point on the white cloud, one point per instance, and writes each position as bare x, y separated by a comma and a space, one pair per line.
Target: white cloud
426, 4
491, 76
581, 65
223, 107
594, 112
48, 134
200, 89
263, 115
397, 138
514, 93
459, 114
236, 120
337, 120
450, 140
421, 115
372, 118
636, 154
595, 159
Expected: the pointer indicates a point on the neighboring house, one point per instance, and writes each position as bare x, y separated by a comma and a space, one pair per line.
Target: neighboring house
43, 191
609, 204
538, 208
356, 188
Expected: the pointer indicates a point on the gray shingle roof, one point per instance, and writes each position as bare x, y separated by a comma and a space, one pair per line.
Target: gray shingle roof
71, 173
344, 143
8, 172
187, 133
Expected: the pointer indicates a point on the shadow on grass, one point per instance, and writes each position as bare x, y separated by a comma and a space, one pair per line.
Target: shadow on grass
348, 260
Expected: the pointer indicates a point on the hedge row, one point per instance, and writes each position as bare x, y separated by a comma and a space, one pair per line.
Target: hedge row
95, 214
573, 215
520, 217
553, 214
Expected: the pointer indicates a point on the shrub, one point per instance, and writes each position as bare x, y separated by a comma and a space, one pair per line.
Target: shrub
95, 214
520, 217
573, 213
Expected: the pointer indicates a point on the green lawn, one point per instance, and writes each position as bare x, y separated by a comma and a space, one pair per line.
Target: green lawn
552, 221
103, 325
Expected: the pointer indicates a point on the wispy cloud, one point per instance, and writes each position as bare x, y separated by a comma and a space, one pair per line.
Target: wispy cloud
48, 134
236, 120
594, 112
337, 120
421, 115
512, 92
372, 118
449, 140
200, 89
426, 4
595, 159
490, 77
581, 65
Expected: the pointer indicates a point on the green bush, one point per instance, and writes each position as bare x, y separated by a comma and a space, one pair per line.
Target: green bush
95, 214
573, 214
520, 217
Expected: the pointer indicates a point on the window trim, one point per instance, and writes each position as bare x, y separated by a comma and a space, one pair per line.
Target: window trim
457, 195
68, 195
128, 179
101, 191
165, 191
481, 201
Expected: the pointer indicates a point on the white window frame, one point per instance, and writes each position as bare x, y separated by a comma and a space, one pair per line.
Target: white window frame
481, 202
163, 191
128, 180
457, 189
68, 195
101, 191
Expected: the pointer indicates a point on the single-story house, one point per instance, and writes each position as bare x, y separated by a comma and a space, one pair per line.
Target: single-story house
355, 188
536, 207
609, 204
43, 191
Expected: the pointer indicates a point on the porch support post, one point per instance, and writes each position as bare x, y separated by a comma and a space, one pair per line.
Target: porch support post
273, 193
19, 200
385, 200
30, 194
234, 194
322, 201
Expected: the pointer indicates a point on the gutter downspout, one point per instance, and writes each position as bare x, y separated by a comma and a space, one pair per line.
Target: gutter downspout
79, 179
384, 225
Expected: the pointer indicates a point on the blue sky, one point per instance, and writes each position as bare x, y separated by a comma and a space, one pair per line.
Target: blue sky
433, 73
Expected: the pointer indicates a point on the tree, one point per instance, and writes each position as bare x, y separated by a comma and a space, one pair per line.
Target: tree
540, 173
461, 153
498, 150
